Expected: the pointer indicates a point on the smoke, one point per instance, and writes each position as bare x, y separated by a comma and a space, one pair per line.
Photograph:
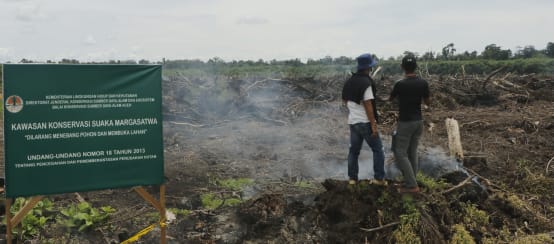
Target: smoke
275, 131
433, 161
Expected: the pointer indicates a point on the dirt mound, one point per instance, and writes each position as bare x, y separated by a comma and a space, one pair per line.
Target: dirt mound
366, 213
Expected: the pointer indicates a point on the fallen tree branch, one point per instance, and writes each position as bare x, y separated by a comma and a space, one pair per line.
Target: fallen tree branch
491, 75
487, 181
380, 228
275, 121
183, 123
473, 122
467, 180
257, 82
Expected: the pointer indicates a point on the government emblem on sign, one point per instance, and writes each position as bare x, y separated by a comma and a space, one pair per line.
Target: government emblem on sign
14, 104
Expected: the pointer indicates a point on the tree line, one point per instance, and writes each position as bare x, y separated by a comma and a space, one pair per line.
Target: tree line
526, 59
490, 52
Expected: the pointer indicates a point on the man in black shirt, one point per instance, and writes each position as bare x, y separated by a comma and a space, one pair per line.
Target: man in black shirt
410, 91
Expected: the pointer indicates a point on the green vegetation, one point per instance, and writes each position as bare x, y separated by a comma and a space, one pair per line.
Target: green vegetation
409, 223
235, 184
305, 184
461, 235
527, 59
152, 216
384, 198
534, 239
35, 221
178, 211
506, 237
430, 183
474, 218
83, 216
230, 194
389, 67
536, 183
212, 201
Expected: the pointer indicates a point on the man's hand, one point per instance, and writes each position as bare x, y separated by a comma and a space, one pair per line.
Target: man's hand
374, 132
368, 106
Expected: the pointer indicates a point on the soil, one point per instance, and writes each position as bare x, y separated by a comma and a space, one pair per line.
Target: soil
290, 137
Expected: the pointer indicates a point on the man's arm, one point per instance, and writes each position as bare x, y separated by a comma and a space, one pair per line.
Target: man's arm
368, 106
393, 93
426, 95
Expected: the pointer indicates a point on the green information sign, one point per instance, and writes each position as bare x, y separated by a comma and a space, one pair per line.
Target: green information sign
71, 128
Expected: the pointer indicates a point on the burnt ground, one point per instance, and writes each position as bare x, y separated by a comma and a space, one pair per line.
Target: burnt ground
289, 139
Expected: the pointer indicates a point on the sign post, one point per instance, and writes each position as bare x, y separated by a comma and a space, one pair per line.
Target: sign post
72, 128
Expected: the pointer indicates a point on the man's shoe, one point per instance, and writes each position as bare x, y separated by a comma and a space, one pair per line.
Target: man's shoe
352, 182
379, 182
409, 190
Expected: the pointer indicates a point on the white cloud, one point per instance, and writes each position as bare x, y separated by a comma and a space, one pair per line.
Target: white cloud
253, 29
89, 40
29, 12
252, 20
102, 55
4, 53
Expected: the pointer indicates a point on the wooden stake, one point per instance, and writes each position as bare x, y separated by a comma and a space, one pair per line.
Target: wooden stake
454, 140
149, 198
12, 222
163, 216
8, 222
159, 205
25, 210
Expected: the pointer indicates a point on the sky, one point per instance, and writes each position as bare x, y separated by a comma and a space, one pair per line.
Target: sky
102, 30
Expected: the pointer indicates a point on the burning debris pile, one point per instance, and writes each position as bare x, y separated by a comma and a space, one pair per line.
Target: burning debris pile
365, 213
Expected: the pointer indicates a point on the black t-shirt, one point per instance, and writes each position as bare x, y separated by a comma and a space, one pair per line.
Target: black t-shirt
410, 92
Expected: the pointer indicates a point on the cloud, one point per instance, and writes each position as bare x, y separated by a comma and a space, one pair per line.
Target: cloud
252, 21
29, 12
89, 40
4, 51
293, 29
5, 54
102, 55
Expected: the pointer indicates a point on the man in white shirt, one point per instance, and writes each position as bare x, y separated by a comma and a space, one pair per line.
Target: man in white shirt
358, 94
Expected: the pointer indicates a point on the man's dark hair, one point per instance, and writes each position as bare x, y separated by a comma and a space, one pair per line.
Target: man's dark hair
409, 63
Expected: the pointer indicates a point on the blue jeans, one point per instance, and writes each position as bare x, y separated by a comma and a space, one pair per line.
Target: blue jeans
358, 133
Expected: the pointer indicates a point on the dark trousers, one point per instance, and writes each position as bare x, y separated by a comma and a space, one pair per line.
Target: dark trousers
405, 149
358, 133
